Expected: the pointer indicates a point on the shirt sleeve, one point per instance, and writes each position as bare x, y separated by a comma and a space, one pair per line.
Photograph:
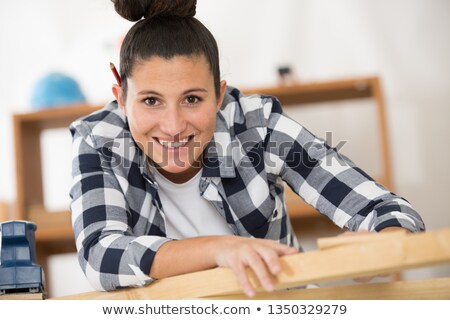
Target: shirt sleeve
110, 254
331, 182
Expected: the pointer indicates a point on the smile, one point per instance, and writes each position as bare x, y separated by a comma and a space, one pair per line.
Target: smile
174, 144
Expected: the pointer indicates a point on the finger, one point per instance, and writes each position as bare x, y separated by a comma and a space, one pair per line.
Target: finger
280, 248
271, 255
258, 266
283, 250
241, 275
289, 250
270, 258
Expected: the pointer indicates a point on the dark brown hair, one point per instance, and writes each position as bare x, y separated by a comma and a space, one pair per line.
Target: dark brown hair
168, 29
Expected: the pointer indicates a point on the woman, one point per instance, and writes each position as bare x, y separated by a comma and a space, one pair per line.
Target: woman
182, 173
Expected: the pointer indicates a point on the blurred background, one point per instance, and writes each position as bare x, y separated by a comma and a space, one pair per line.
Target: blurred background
406, 43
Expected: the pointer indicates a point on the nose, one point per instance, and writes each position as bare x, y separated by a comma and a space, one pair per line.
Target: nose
172, 121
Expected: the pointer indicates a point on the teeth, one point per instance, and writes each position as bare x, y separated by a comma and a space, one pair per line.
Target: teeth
173, 144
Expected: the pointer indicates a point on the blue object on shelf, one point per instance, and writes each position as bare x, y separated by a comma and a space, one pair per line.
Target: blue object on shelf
19, 272
55, 90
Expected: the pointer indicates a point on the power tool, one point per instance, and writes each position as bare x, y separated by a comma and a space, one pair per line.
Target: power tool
19, 272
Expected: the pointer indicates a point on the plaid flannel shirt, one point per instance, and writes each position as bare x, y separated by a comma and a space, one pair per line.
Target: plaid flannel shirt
118, 219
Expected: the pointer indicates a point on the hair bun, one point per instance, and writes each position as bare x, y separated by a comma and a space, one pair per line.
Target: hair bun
134, 10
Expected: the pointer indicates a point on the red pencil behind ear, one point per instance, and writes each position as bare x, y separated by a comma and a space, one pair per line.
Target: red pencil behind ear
116, 74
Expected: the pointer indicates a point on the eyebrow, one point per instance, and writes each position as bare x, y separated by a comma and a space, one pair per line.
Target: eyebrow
145, 92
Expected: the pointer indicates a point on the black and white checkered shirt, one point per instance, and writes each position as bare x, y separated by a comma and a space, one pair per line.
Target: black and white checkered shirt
117, 214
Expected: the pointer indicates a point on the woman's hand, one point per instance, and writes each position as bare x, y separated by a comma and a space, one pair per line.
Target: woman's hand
261, 255
202, 253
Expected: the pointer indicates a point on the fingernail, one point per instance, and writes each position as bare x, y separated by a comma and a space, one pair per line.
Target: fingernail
276, 269
249, 293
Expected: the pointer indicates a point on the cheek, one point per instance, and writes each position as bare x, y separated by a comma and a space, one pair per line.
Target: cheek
207, 125
209, 122
207, 119
139, 138
140, 123
140, 128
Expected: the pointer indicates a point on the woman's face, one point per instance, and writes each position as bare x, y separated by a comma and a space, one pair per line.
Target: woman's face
171, 107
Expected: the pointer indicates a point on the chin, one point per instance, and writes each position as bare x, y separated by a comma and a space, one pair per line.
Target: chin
174, 168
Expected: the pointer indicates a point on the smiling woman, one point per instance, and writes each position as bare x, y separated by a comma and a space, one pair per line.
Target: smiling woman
171, 107
180, 156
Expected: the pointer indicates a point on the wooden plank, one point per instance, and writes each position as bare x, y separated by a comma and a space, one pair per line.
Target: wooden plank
331, 242
349, 261
22, 296
429, 289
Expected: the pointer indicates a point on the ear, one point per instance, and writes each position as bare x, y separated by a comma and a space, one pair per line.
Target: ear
223, 89
118, 94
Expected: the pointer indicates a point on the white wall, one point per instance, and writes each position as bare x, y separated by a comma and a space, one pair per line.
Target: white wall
406, 42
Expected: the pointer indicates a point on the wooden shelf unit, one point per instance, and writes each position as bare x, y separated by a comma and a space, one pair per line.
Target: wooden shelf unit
54, 233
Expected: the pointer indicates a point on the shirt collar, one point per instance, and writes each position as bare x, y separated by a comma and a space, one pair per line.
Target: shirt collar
217, 161
218, 155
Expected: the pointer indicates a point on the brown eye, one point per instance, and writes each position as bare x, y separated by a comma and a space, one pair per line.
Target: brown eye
192, 99
151, 101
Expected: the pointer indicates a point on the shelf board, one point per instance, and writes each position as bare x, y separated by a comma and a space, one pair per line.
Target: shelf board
51, 225
54, 117
302, 93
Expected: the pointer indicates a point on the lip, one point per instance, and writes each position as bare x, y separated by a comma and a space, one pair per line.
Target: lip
190, 139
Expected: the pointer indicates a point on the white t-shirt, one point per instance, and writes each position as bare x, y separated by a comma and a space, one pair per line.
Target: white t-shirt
186, 212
